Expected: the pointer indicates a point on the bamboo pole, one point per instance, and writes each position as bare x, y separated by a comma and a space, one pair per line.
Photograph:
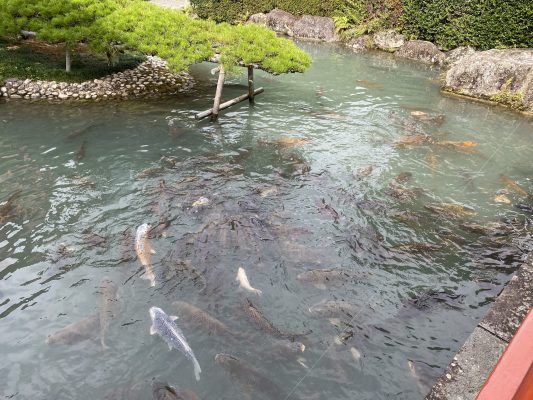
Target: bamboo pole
251, 84
229, 103
218, 94
68, 59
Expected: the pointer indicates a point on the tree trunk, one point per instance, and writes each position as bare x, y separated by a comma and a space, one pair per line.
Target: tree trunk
68, 60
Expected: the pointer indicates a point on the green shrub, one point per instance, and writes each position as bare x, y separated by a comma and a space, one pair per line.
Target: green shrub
239, 11
359, 17
480, 23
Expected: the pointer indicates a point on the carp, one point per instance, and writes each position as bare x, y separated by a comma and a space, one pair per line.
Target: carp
163, 391
249, 378
321, 278
334, 309
80, 154
244, 283
76, 332
164, 326
513, 186
403, 177
196, 318
287, 141
432, 161
412, 140
450, 210
416, 247
144, 251
108, 295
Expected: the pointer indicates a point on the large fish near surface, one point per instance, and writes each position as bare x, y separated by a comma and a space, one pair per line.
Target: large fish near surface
513, 186
76, 332
164, 326
321, 278
163, 391
264, 324
144, 252
249, 378
334, 309
197, 318
108, 295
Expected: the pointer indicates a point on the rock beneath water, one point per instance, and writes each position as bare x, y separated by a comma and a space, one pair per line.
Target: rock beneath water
311, 27
281, 21
389, 40
457, 54
364, 42
421, 50
504, 76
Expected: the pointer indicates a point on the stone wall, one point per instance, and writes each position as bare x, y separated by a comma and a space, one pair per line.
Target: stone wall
151, 78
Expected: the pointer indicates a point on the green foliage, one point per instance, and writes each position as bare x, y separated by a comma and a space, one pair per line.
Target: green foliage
480, 23
150, 29
238, 11
183, 41
26, 61
514, 100
359, 17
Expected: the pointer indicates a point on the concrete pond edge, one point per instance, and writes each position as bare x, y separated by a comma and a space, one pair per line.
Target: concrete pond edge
474, 362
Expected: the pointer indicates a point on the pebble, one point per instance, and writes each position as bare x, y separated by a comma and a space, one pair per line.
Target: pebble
152, 77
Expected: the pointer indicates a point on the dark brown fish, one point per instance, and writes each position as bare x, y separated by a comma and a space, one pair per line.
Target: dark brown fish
163, 391
334, 309
198, 319
451, 210
7, 208
108, 296
249, 378
369, 84
80, 154
76, 332
328, 210
322, 278
82, 131
259, 320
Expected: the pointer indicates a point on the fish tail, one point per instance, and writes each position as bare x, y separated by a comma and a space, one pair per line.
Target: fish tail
197, 369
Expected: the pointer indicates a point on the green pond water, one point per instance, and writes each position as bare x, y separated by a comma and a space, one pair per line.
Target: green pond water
76, 180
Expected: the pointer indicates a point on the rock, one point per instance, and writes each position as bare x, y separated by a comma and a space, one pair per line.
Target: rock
455, 55
281, 21
259, 19
420, 50
313, 27
504, 76
15, 96
389, 40
365, 42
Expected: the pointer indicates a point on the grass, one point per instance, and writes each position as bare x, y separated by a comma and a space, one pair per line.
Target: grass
29, 59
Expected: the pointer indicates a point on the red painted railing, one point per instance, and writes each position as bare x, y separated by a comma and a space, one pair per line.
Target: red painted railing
512, 378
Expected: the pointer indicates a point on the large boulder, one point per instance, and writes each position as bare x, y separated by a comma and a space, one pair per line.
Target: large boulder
504, 76
420, 50
312, 27
259, 19
456, 54
281, 21
364, 42
389, 40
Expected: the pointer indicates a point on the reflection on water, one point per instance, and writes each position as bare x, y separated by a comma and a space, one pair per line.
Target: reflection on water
377, 218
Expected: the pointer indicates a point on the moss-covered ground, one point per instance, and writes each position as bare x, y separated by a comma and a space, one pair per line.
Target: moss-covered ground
28, 59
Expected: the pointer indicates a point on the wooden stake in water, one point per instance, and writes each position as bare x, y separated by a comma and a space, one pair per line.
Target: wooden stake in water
218, 95
251, 91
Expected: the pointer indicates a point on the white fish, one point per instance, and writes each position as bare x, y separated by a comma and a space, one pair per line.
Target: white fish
202, 201
143, 249
245, 283
164, 326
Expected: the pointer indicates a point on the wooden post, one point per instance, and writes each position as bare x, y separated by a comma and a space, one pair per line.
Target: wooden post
68, 59
218, 94
251, 90
228, 104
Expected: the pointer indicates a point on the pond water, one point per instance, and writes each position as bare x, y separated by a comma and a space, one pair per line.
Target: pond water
362, 191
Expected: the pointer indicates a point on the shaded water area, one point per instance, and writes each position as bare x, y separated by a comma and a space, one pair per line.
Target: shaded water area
416, 214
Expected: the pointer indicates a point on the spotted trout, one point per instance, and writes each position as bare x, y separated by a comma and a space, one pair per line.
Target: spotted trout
144, 251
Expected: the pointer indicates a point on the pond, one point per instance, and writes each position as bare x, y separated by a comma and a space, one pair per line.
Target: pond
378, 218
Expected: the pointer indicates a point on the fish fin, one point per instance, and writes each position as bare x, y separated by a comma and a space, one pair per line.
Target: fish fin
258, 292
320, 286
152, 330
197, 369
153, 251
335, 321
169, 347
302, 361
173, 317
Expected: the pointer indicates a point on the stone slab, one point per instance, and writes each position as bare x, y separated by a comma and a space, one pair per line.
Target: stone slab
470, 368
